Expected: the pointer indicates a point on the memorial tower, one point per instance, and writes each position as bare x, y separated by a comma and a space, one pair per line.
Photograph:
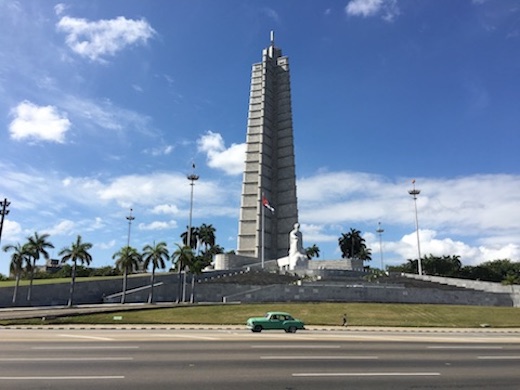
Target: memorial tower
269, 174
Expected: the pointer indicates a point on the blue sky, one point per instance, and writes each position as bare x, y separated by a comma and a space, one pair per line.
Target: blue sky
105, 105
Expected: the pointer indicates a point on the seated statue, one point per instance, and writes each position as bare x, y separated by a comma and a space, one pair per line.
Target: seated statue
297, 257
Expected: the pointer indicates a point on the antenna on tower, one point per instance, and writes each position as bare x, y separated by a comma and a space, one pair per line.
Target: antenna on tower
272, 38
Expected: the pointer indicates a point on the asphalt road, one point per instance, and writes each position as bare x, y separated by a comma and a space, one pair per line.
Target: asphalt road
235, 359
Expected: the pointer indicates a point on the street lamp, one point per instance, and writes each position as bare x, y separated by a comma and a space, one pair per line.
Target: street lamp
192, 178
414, 192
380, 231
3, 212
130, 218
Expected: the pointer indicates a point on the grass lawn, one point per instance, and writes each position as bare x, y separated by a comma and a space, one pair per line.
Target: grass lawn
359, 314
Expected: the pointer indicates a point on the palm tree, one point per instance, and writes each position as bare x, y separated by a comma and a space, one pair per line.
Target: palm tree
78, 251
182, 257
194, 237
127, 260
37, 245
351, 244
206, 236
157, 255
312, 251
20, 256
196, 265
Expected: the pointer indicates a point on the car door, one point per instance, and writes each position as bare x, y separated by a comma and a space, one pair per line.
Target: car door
274, 322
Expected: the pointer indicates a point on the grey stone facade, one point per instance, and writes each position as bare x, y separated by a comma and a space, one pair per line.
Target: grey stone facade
351, 289
270, 164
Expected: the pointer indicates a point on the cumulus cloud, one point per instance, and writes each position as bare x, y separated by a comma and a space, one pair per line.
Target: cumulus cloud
107, 245
230, 160
365, 8
38, 123
97, 39
157, 225
165, 209
11, 230
431, 244
460, 215
63, 228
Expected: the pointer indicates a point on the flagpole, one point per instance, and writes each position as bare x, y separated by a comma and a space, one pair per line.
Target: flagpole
263, 228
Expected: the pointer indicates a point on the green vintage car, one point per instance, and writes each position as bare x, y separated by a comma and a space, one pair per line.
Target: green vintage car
275, 320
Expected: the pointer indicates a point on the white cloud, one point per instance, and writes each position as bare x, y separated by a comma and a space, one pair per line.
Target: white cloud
230, 160
160, 151
366, 8
432, 245
463, 206
106, 115
64, 228
107, 245
60, 8
103, 37
40, 123
272, 14
165, 209
460, 215
11, 230
158, 225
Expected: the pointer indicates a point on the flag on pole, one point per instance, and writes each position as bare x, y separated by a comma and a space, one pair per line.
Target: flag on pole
266, 204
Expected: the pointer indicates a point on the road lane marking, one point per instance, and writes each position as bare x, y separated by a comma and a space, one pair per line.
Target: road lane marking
463, 347
81, 347
498, 357
42, 378
87, 337
190, 337
66, 359
367, 374
331, 357
285, 346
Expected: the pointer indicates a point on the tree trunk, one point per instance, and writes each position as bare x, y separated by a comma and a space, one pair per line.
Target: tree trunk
72, 283
15, 292
179, 282
192, 297
152, 282
123, 295
31, 282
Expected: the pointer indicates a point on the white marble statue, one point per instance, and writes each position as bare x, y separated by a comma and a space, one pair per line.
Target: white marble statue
297, 258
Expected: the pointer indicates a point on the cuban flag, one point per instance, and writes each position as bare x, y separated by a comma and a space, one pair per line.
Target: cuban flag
266, 204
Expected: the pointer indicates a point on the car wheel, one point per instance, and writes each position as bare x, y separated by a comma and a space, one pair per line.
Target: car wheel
257, 329
292, 329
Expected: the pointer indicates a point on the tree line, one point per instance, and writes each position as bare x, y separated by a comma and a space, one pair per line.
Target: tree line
192, 258
501, 271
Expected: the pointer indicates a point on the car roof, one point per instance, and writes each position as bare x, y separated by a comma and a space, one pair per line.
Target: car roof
278, 312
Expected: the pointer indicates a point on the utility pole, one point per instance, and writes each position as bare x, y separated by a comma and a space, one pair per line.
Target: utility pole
3, 212
192, 178
380, 231
130, 218
414, 192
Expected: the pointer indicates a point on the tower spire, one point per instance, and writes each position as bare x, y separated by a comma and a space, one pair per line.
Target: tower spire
272, 38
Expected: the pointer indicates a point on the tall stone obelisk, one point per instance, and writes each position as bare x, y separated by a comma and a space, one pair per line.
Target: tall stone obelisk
269, 166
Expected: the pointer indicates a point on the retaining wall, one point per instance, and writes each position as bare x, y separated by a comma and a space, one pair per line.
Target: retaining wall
166, 290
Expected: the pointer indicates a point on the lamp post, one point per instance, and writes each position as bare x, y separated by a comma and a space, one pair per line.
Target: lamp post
130, 218
3, 212
192, 178
414, 192
380, 231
